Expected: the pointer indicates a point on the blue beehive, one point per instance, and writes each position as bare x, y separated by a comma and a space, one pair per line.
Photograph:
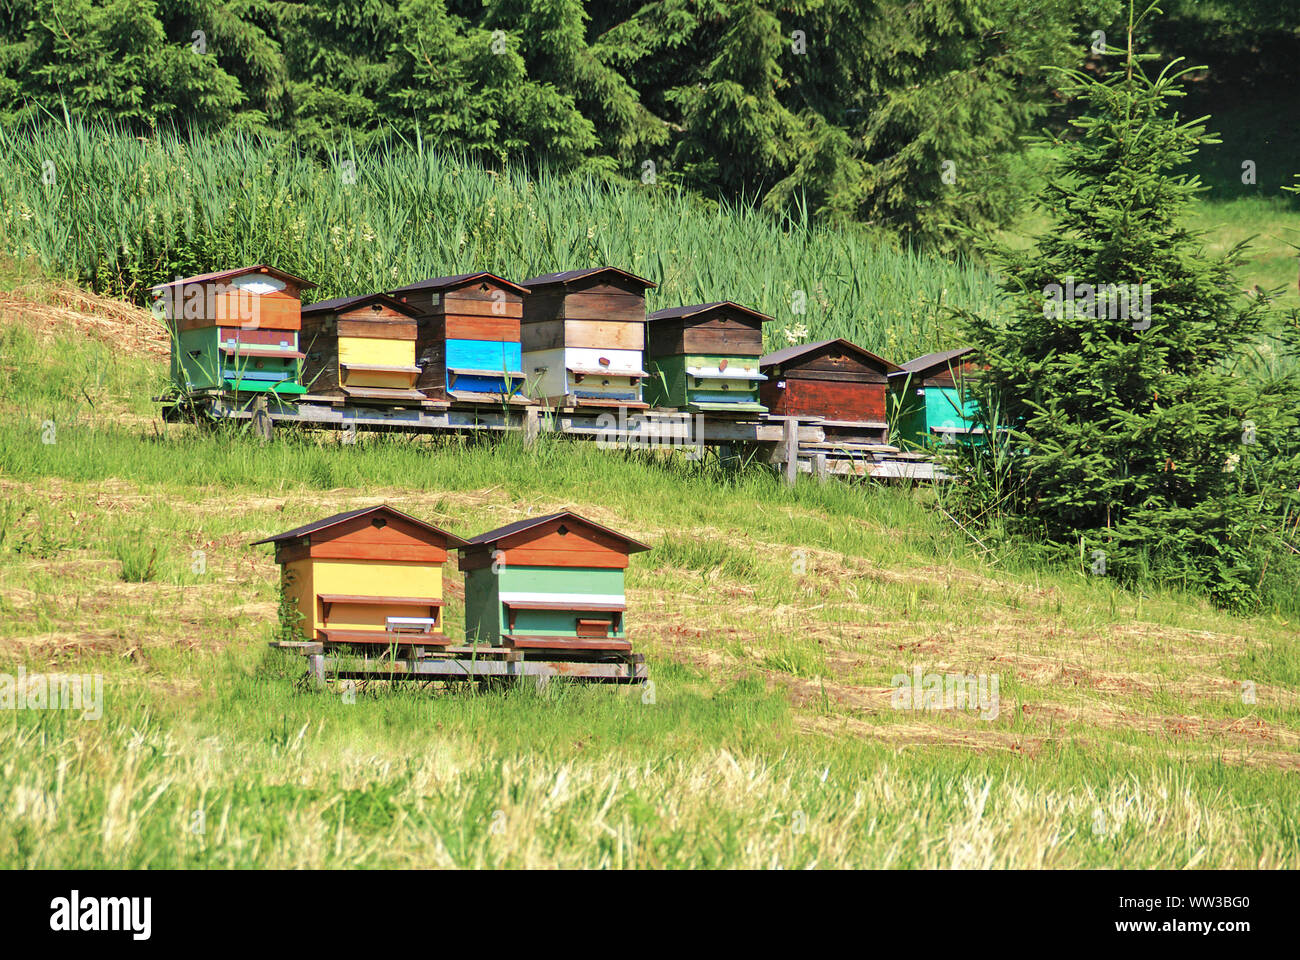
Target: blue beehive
467, 339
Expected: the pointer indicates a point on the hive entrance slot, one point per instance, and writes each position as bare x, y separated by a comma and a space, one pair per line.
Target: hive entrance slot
593, 628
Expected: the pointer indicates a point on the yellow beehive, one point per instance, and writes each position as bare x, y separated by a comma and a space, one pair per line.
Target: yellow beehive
367, 576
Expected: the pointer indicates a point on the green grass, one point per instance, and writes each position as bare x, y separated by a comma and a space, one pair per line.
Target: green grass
123, 213
254, 772
772, 618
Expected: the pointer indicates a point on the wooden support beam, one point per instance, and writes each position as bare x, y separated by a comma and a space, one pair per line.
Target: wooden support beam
790, 443
532, 425
262, 426
316, 670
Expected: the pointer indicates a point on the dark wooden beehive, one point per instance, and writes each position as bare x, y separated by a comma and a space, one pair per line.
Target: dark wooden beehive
837, 380
705, 358
360, 349
584, 336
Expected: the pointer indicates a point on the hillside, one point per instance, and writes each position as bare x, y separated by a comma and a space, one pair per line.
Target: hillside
1131, 730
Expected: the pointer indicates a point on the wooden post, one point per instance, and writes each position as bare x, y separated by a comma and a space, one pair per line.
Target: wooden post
316, 670
790, 444
532, 425
819, 467
262, 426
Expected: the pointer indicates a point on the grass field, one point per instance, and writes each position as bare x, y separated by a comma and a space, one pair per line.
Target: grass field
1132, 729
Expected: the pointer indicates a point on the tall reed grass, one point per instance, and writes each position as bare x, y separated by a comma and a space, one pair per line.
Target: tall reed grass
119, 213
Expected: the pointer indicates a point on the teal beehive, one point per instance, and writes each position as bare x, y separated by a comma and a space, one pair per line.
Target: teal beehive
933, 400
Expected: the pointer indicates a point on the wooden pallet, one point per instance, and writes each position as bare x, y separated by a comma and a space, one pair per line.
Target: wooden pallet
791, 445
471, 663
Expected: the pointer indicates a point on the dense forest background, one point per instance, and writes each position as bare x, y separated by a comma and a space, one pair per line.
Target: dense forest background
910, 116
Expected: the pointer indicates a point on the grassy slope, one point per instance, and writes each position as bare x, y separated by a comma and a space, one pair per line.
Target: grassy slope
773, 620
1261, 126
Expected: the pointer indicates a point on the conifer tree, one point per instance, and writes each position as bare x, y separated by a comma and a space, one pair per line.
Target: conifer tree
1142, 438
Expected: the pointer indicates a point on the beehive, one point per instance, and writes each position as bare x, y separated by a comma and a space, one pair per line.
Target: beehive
548, 583
368, 576
836, 380
704, 358
934, 399
235, 330
584, 337
360, 349
468, 339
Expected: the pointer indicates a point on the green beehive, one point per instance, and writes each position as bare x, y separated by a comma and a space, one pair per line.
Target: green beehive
704, 358
548, 583
235, 330
933, 401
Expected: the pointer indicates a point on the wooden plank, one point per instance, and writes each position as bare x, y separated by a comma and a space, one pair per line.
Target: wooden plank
548, 664
244, 350
518, 642
378, 329
546, 334
604, 335
382, 393
473, 398
316, 670
379, 601
729, 338
824, 398
471, 327
378, 368
269, 338
329, 635
484, 289
456, 304
482, 650
564, 605
305, 647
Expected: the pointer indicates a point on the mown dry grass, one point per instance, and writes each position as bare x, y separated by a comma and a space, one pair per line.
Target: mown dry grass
1132, 730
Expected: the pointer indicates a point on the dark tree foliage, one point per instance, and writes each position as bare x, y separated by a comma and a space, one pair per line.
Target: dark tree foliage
851, 108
